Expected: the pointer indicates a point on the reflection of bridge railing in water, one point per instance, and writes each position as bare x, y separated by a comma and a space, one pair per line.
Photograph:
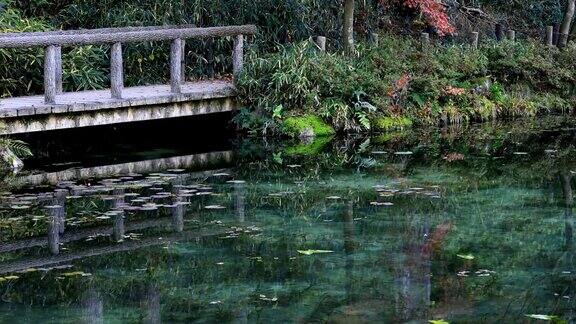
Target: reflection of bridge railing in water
57, 215
117, 231
201, 160
58, 110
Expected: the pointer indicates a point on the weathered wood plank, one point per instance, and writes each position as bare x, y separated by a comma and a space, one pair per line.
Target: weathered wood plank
50, 75
129, 36
58, 69
95, 31
238, 56
100, 99
176, 66
116, 71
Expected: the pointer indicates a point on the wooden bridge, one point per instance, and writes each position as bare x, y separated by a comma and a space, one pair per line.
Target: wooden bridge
60, 110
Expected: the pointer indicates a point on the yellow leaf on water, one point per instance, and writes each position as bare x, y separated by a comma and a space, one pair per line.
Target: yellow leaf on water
438, 322
465, 256
310, 252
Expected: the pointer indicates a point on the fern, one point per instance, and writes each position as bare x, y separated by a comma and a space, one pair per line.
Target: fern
20, 148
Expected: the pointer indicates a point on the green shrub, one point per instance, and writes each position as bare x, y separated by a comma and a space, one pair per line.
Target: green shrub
294, 126
453, 84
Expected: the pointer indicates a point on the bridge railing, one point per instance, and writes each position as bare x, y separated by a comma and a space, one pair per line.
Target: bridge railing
53, 41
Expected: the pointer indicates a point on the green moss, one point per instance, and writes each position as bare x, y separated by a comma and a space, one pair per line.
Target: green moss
310, 149
293, 126
391, 123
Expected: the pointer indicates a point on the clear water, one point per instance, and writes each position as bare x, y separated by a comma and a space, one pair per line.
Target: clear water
464, 225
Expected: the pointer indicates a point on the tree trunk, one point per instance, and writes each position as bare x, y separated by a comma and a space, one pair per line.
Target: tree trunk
566, 23
348, 31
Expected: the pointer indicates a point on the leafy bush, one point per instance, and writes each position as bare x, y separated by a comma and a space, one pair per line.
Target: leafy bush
21, 70
451, 84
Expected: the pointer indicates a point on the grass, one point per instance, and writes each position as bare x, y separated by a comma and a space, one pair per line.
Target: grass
396, 84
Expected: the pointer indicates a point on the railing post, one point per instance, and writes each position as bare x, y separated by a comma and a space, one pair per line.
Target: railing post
550, 36
321, 43
425, 39
50, 75
238, 56
475, 39
512, 35
116, 71
176, 66
183, 62
58, 69
375, 39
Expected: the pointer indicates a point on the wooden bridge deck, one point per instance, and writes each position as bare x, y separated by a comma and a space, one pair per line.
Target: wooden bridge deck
101, 99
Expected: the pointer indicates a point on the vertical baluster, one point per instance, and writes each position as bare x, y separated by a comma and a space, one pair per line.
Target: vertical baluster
238, 56
50, 75
183, 63
58, 69
116, 71
176, 66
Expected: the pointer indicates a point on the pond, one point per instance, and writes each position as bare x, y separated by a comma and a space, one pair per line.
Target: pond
471, 224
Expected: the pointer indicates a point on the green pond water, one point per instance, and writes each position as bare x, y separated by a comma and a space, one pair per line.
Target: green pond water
462, 225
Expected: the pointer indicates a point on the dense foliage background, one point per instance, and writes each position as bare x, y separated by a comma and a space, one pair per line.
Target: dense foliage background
279, 22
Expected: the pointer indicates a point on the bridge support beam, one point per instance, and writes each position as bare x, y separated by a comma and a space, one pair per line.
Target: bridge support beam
50, 74
238, 56
176, 66
116, 71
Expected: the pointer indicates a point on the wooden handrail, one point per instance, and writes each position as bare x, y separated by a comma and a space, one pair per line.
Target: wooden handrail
54, 40
83, 37
93, 31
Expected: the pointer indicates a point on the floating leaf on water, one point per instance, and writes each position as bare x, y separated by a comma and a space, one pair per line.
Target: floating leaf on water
543, 317
376, 203
465, 256
438, 322
29, 270
310, 252
484, 273
20, 206
215, 207
76, 274
263, 297
11, 277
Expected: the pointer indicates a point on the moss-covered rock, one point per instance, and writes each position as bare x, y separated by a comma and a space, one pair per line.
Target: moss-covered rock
309, 149
307, 125
392, 123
